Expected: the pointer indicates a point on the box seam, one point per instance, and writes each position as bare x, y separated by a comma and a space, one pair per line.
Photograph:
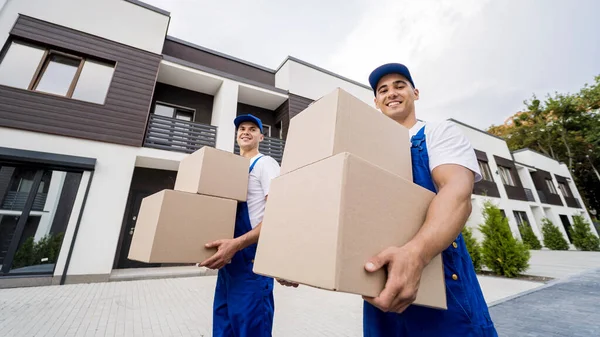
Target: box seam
341, 221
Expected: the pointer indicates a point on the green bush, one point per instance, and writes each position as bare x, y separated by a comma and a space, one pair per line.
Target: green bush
31, 253
583, 238
501, 252
25, 255
553, 238
529, 238
473, 247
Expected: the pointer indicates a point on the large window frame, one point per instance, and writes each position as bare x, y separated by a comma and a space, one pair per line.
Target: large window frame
506, 176
45, 60
486, 172
551, 187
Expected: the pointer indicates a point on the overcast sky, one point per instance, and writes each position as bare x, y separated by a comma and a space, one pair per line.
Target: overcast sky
472, 60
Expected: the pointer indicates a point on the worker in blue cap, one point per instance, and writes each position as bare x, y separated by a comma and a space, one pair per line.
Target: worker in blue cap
444, 162
243, 303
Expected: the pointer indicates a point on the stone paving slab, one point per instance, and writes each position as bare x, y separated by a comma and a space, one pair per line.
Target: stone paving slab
181, 307
568, 307
559, 264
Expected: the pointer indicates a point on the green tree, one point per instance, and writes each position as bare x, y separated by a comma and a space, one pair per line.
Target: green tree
473, 247
583, 238
565, 127
553, 238
529, 237
501, 252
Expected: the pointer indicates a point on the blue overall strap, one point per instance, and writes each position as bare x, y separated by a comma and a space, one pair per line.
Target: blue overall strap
420, 161
467, 314
254, 163
243, 305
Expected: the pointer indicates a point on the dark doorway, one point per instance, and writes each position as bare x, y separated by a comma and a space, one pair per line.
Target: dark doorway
145, 182
567, 225
135, 201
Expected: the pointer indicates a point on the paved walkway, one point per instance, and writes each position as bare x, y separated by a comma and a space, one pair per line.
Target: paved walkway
559, 264
182, 307
565, 308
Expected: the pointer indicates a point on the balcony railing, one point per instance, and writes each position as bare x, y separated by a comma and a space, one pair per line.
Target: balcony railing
542, 196
529, 194
15, 201
269, 146
178, 135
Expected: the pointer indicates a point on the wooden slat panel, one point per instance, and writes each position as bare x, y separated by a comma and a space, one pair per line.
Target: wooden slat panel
122, 118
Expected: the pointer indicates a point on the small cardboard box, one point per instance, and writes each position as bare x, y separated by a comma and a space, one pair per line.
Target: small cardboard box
340, 122
214, 172
323, 222
174, 226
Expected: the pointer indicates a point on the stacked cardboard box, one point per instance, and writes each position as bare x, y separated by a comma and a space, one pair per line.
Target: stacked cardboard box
174, 225
344, 195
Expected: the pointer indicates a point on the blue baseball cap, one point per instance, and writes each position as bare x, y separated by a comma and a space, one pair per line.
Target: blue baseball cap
248, 118
386, 69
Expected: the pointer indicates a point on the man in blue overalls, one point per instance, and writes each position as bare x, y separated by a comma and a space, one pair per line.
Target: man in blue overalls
243, 303
444, 162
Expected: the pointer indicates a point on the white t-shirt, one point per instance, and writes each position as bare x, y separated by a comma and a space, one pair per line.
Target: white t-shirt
446, 144
259, 182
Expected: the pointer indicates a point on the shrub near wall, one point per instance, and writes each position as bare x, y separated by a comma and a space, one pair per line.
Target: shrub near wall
473, 247
501, 252
529, 237
583, 238
553, 238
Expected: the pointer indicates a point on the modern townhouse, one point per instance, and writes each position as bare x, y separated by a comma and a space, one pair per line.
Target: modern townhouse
98, 106
527, 186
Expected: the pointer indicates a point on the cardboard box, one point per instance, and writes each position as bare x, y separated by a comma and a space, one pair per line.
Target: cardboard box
340, 122
214, 172
323, 222
174, 226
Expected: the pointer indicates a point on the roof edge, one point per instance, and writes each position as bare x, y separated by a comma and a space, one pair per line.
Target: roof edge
310, 65
223, 74
536, 152
476, 129
150, 7
216, 53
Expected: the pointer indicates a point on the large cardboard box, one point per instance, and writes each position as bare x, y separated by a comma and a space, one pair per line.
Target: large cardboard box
339, 122
174, 226
324, 221
214, 172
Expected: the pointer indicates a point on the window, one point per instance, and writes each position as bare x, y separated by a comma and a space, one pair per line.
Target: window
564, 190
521, 217
267, 130
20, 65
485, 170
551, 187
173, 111
49, 71
506, 176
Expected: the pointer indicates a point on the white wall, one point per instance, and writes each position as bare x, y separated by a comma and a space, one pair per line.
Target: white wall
223, 113
486, 143
115, 20
102, 216
314, 84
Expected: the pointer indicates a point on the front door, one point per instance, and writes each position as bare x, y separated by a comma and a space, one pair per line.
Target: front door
567, 225
134, 207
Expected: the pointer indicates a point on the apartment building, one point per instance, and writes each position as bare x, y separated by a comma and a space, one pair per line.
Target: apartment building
98, 105
527, 186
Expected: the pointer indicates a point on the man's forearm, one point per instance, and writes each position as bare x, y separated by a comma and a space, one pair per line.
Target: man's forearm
445, 219
249, 238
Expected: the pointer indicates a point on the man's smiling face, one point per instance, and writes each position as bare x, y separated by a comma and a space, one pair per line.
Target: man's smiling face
395, 97
248, 135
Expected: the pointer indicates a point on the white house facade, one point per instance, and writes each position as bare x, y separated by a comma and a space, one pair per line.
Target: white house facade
98, 105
